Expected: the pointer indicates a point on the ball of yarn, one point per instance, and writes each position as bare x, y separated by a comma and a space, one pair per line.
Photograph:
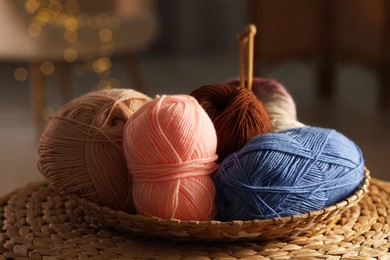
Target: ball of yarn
81, 149
291, 172
170, 145
277, 101
236, 113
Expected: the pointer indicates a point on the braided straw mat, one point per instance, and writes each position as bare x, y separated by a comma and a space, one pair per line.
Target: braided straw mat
215, 230
37, 223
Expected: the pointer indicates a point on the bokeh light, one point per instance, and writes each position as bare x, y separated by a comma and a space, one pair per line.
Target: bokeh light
34, 29
101, 65
47, 112
31, 6
66, 14
71, 24
105, 35
21, 74
102, 20
47, 68
70, 55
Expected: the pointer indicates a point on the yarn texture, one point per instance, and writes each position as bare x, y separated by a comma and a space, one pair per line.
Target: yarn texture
278, 103
170, 146
236, 113
291, 172
81, 149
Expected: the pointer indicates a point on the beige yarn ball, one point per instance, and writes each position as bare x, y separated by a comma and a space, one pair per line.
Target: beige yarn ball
81, 151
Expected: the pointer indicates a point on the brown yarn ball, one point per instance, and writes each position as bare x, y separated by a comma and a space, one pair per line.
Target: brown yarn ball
236, 113
81, 151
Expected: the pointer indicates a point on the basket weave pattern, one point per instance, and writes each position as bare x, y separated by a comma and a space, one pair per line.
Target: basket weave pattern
36, 222
217, 230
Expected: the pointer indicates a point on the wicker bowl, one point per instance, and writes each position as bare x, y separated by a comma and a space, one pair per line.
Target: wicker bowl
256, 229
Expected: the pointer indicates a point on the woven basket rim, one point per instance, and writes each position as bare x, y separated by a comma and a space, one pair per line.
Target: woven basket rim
58, 227
301, 222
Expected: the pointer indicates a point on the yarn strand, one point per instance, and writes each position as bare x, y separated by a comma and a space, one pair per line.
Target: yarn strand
81, 150
286, 173
170, 146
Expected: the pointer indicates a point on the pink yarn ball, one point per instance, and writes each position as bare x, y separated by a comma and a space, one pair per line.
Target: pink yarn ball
170, 146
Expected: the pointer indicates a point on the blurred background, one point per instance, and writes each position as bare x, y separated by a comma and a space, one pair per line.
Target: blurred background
332, 56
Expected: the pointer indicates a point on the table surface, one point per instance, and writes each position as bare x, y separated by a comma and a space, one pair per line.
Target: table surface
37, 222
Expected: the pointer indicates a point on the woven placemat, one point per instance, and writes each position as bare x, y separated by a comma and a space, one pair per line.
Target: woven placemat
37, 223
178, 230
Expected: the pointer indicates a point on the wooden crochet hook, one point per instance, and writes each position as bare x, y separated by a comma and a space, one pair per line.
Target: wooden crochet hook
244, 38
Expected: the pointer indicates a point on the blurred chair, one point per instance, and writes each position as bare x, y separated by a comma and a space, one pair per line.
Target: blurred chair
361, 31
137, 29
327, 31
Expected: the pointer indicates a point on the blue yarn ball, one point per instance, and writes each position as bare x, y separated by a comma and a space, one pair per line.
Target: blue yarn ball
286, 173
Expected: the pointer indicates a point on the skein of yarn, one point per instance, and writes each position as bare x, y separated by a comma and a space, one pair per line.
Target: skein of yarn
291, 172
236, 113
277, 101
81, 151
170, 146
